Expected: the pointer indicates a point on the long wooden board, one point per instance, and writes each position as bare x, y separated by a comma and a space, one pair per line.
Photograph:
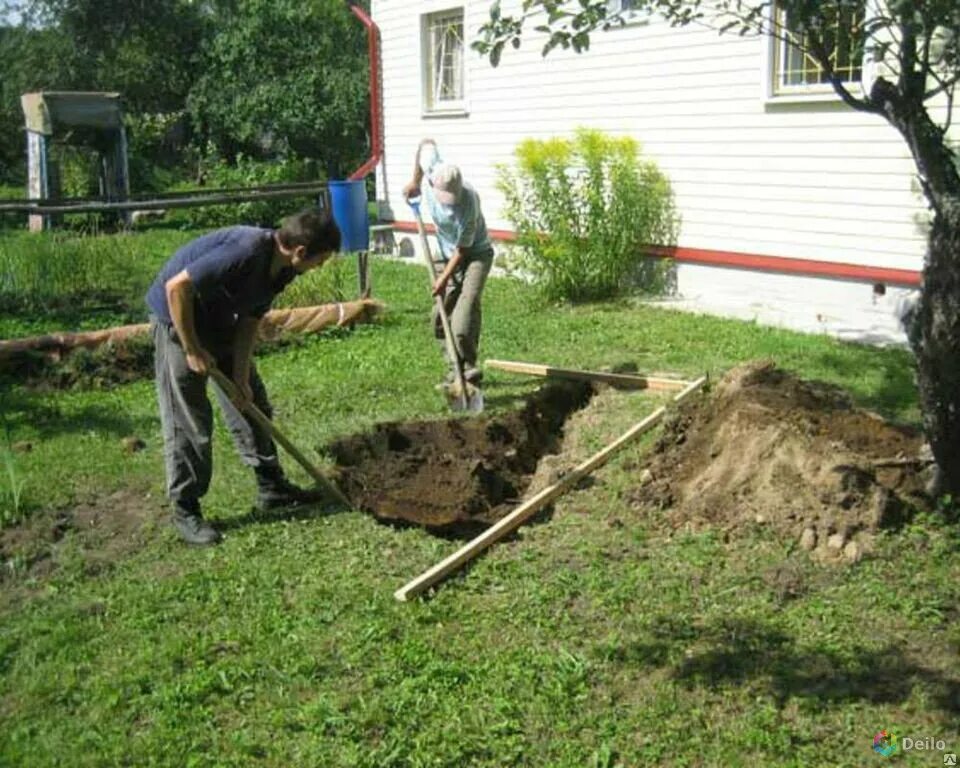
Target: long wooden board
627, 380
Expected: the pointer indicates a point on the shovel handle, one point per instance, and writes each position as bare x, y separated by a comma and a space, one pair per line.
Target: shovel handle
448, 338
260, 418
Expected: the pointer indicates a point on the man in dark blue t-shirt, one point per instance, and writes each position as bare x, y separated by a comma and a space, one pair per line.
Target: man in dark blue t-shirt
206, 304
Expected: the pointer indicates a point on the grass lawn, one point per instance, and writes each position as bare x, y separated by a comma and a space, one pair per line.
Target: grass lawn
590, 639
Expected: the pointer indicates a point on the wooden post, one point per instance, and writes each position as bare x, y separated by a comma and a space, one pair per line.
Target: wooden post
363, 274
528, 508
38, 185
631, 381
123, 174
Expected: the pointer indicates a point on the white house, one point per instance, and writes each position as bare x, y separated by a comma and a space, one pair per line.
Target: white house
797, 210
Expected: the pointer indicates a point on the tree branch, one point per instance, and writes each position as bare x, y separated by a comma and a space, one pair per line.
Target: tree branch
949, 120
927, 38
822, 56
943, 86
908, 58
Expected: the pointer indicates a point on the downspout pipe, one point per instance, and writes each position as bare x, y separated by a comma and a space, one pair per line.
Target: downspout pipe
373, 52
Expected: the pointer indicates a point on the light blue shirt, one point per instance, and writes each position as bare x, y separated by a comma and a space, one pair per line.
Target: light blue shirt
460, 225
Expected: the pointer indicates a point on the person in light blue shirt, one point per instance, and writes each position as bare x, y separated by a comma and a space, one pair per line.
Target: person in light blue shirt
466, 254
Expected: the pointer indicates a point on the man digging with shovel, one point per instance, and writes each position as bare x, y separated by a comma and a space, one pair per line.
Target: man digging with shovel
206, 305
465, 251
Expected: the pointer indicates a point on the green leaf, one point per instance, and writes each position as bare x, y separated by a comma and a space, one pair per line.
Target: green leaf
495, 54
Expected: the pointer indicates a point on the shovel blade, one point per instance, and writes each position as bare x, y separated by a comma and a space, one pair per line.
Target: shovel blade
469, 400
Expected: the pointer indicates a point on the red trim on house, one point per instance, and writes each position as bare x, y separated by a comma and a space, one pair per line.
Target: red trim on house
752, 261
793, 266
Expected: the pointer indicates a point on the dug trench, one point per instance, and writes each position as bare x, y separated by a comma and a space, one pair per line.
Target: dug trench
763, 448
454, 477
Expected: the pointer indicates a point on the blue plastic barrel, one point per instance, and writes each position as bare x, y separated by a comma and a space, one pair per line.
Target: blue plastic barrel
349, 202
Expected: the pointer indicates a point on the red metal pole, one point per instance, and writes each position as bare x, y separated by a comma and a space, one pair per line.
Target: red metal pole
376, 135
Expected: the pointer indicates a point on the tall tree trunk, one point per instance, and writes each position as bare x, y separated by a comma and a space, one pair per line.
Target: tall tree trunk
935, 328
935, 338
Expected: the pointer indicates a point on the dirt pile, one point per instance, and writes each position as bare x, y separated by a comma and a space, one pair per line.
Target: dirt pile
455, 476
770, 449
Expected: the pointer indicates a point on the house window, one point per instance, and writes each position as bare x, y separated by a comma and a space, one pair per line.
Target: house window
629, 10
795, 71
443, 61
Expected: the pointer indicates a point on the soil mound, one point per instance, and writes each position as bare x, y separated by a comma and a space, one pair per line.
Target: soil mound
455, 476
768, 448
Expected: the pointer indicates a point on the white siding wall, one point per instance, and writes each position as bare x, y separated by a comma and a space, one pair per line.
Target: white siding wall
806, 180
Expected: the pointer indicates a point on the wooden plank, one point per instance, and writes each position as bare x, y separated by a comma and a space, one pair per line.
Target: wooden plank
627, 380
530, 507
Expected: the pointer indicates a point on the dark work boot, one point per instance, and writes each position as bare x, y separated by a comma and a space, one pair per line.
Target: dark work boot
274, 491
191, 526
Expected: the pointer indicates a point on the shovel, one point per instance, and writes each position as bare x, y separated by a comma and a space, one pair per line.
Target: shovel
263, 422
462, 396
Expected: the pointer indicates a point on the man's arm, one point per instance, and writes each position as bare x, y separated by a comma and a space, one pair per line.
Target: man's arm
440, 284
243, 344
412, 189
180, 296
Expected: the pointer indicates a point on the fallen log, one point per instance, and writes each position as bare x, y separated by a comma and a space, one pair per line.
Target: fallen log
276, 323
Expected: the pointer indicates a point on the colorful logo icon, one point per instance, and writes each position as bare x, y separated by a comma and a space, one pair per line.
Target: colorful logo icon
885, 742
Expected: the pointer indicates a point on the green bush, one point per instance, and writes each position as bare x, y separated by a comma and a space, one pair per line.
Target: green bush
12, 192
585, 211
156, 150
78, 169
218, 174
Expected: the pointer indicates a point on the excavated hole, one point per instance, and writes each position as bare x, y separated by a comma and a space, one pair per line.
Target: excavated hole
459, 476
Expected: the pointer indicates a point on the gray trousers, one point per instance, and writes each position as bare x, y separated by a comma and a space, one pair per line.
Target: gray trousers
462, 303
187, 417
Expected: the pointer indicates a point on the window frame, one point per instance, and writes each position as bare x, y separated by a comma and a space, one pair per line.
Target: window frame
447, 107
775, 92
631, 16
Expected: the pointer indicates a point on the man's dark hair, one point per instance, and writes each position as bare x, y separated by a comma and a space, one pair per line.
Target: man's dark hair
313, 228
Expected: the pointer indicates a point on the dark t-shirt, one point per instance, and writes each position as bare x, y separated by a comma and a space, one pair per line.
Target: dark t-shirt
230, 272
